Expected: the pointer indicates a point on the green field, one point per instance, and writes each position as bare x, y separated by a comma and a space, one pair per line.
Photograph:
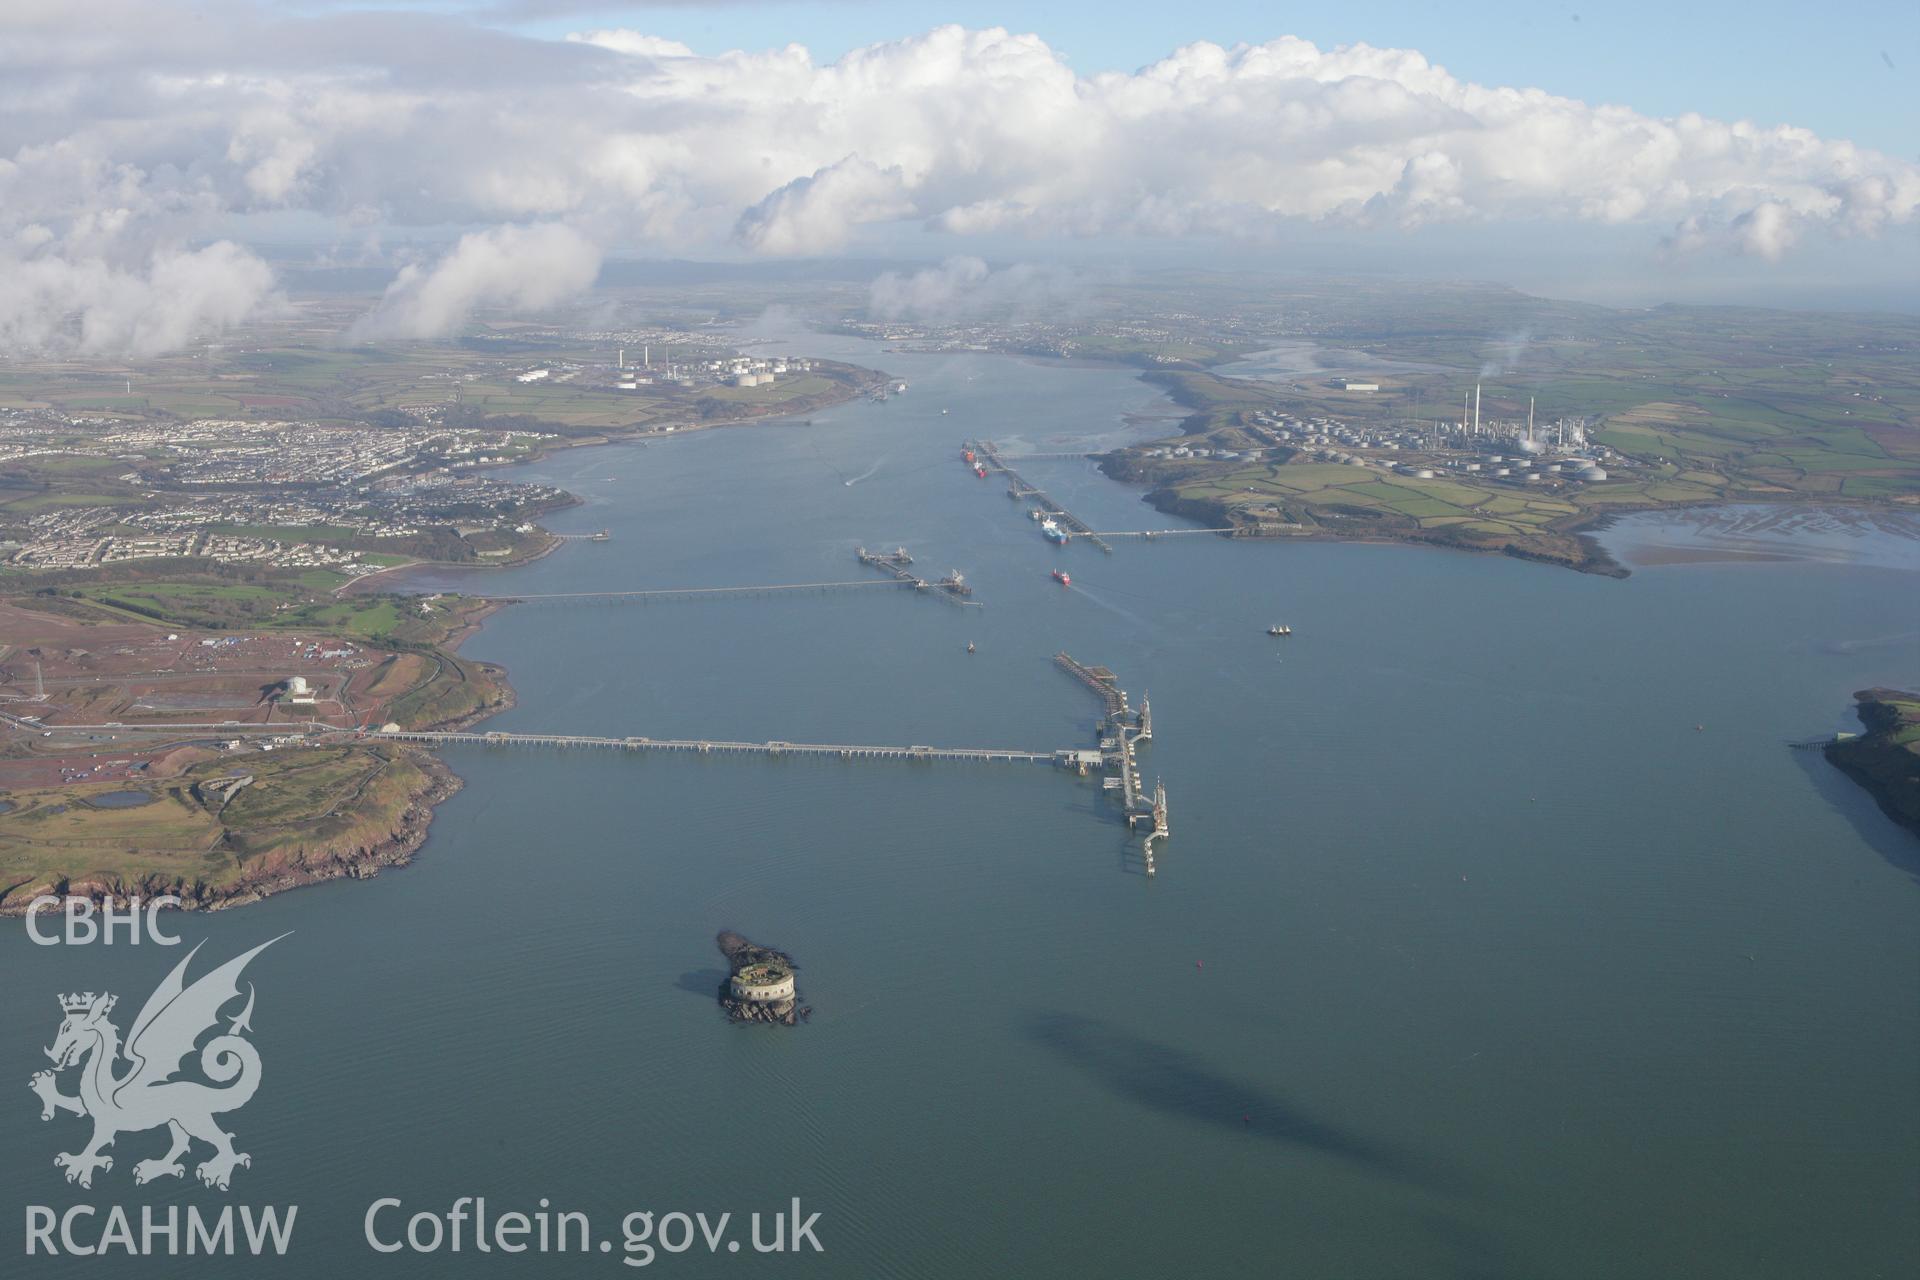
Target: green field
283, 603
296, 369
306, 806
1327, 487
1706, 405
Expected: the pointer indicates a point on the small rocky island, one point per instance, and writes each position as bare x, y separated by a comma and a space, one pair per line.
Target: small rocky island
1886, 758
760, 986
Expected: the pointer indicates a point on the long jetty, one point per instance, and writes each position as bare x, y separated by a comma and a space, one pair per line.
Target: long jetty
708, 746
1020, 487
1048, 457
1120, 734
1821, 744
680, 593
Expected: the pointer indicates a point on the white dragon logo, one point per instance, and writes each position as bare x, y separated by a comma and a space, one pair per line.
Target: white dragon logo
146, 1095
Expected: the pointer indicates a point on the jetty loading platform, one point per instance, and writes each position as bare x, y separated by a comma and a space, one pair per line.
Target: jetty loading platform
1019, 487
985, 454
1122, 730
1102, 681
899, 565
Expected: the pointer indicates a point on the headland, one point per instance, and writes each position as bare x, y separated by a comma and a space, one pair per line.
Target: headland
1886, 758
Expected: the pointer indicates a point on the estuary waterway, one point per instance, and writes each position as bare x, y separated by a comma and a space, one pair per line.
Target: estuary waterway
1499, 935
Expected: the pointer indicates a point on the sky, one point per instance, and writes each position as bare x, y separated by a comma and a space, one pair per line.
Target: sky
161, 161
1852, 71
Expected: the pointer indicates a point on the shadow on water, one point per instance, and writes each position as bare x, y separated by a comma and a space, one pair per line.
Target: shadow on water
1464, 1252
1853, 802
703, 982
1177, 1082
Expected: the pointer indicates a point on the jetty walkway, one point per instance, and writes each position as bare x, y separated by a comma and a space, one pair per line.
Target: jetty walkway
708, 746
679, 593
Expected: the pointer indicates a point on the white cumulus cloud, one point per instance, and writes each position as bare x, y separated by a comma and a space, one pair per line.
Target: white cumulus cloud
531, 268
133, 131
53, 304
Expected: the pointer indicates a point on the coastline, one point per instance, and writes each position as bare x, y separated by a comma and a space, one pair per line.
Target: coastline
278, 871
1585, 531
412, 827
416, 821
360, 863
1591, 557
1883, 761
358, 853
1220, 419
352, 586
845, 392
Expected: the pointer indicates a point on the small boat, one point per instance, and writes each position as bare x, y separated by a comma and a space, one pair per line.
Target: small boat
1278, 630
1052, 532
980, 470
1061, 578
969, 646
